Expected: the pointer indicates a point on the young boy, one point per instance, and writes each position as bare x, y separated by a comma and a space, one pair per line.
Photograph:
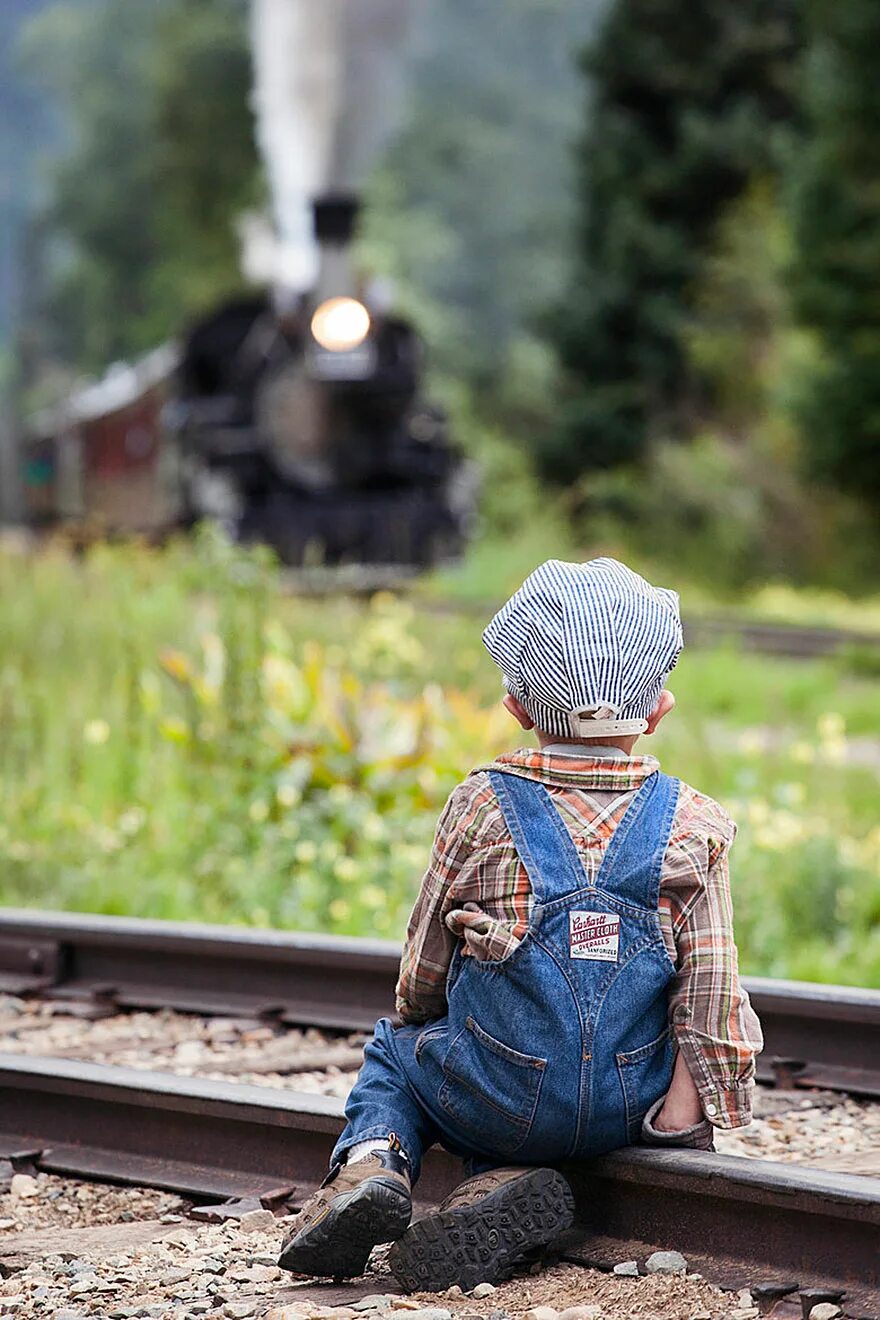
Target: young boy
569, 982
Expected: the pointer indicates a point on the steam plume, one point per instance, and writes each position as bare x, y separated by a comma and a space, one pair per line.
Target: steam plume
327, 82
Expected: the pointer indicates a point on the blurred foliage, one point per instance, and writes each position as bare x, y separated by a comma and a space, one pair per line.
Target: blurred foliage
140, 228
733, 506
27, 124
685, 107
181, 739
837, 231
471, 209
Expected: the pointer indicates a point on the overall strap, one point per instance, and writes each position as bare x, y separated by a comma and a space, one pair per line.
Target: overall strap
633, 859
544, 845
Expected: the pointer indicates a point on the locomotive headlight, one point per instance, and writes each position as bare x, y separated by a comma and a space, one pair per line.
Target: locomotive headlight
341, 324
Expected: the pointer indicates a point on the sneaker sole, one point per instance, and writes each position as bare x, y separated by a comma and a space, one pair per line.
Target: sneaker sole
339, 1245
482, 1243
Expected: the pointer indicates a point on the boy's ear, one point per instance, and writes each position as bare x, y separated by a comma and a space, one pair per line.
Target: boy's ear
518, 711
665, 704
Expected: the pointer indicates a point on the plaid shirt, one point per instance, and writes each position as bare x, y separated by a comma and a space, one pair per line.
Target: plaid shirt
474, 861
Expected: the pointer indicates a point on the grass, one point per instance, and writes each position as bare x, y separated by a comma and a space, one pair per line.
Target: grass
179, 739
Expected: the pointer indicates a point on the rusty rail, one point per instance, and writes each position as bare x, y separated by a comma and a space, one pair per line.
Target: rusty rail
738, 1220
816, 1035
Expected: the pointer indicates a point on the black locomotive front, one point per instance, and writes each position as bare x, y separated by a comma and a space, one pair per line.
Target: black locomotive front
305, 428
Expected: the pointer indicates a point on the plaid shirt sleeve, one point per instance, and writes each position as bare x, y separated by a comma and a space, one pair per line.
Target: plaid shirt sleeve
427, 953
715, 1027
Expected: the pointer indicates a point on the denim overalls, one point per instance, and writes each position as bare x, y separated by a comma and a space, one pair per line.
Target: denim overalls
557, 1050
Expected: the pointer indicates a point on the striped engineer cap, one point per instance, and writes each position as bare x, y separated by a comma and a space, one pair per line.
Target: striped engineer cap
586, 648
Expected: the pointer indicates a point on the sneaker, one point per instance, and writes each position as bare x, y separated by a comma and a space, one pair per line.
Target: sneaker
357, 1206
480, 1232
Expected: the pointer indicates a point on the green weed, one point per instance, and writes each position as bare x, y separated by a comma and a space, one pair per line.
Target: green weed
181, 739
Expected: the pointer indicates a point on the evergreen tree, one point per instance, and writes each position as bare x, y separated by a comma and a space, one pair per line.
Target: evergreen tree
204, 149
837, 231
684, 106
161, 158
470, 211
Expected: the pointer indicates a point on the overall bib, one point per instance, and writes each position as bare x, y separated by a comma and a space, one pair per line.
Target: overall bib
558, 1050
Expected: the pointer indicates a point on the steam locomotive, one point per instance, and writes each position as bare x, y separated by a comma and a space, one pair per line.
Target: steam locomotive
302, 427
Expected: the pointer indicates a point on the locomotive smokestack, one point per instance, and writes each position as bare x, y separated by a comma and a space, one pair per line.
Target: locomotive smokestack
335, 217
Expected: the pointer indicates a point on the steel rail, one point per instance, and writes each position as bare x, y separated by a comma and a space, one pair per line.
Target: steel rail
741, 1220
815, 1035
794, 640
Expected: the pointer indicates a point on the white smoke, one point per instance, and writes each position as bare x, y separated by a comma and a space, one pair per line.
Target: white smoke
327, 82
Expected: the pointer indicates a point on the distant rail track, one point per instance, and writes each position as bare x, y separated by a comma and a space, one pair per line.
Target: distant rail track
740, 1221
766, 637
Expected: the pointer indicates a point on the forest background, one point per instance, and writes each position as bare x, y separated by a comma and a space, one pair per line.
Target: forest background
643, 244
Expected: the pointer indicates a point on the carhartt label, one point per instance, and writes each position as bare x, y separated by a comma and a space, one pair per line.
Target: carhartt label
594, 935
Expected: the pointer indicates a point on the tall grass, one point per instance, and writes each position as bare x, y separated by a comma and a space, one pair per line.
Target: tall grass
180, 739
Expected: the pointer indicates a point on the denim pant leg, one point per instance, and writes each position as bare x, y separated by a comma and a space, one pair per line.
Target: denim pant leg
382, 1099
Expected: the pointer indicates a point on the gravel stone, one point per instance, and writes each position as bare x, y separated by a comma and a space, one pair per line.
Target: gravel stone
257, 1221
542, 1313
629, 1268
484, 1290
83, 1286
373, 1302
240, 1310
171, 1277
666, 1262
824, 1311
212, 1266
581, 1313
23, 1186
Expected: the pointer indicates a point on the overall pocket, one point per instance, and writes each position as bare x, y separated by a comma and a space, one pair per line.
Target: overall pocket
645, 1075
490, 1090
429, 1035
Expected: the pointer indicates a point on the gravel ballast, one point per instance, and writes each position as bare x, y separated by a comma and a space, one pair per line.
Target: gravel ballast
78, 1251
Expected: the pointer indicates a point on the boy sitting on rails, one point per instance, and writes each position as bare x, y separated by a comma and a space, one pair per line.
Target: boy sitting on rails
569, 982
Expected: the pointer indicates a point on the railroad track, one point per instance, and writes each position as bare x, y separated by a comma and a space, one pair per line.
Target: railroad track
794, 640
815, 1035
739, 1221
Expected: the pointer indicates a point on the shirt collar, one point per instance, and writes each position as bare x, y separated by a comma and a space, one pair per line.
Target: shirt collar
576, 768
599, 751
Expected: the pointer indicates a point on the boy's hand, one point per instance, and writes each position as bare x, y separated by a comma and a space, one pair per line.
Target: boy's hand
471, 926
677, 1118
696, 1136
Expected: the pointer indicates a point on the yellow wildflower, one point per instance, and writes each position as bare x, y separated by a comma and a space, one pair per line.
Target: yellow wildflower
96, 732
